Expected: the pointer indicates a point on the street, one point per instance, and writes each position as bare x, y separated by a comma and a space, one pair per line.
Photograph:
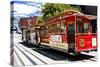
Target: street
28, 54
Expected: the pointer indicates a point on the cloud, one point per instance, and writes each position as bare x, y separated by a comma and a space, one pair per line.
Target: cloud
20, 15
26, 8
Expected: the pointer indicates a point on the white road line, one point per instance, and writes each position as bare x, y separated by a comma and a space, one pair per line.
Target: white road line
42, 57
17, 61
86, 60
20, 48
33, 58
23, 57
93, 59
93, 53
36, 60
47, 60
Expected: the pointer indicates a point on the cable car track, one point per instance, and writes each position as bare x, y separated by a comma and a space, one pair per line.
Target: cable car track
44, 62
32, 61
19, 58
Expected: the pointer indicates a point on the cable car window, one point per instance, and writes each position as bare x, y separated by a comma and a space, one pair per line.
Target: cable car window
79, 25
86, 27
63, 26
94, 25
58, 27
71, 28
49, 27
52, 27
49, 30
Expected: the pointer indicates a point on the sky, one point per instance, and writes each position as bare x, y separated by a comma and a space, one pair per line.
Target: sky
25, 8
20, 9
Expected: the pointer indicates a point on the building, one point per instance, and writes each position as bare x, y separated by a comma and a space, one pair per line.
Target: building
28, 22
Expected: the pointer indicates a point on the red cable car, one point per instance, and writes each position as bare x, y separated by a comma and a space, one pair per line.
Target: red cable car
70, 32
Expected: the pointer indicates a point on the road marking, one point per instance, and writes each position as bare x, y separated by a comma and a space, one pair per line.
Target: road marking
90, 53
31, 57
18, 60
43, 58
23, 57
36, 60
93, 59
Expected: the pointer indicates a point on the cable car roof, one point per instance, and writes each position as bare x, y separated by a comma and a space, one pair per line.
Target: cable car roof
68, 13
91, 17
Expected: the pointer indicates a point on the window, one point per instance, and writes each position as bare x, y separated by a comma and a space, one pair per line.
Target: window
79, 25
94, 25
86, 27
49, 28
71, 28
57, 27
82, 27
63, 26
44, 30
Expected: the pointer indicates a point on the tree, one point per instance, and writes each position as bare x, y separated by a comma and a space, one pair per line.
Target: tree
51, 9
40, 21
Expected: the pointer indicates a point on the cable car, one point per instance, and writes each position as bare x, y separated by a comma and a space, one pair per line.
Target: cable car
69, 32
